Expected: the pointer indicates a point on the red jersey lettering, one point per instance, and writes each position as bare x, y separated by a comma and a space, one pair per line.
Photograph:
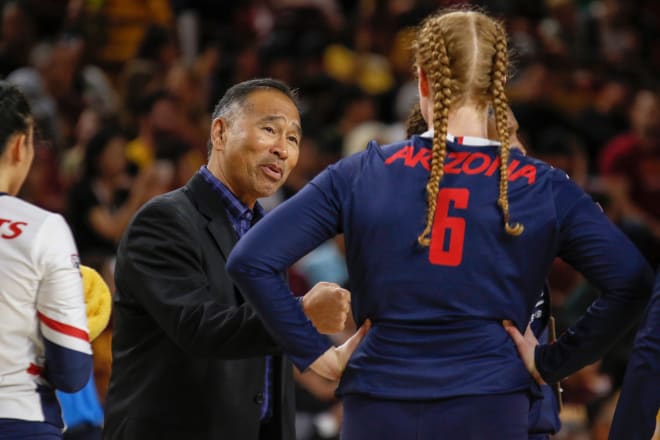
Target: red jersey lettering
493, 166
423, 156
528, 171
452, 166
463, 162
405, 153
15, 228
482, 163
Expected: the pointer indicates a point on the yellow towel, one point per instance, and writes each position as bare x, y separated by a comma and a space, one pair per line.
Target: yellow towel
97, 299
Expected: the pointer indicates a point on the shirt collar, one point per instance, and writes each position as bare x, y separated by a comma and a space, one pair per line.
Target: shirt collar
235, 208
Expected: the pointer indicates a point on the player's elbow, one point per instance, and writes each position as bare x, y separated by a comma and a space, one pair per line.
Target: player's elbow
66, 369
642, 274
71, 380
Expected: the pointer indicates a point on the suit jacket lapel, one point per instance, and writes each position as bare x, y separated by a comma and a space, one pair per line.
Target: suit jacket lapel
208, 203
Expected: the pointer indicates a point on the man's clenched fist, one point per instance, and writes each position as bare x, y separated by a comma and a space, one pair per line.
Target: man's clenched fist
327, 305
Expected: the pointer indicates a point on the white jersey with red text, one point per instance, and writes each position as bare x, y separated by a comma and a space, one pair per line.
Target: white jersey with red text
43, 322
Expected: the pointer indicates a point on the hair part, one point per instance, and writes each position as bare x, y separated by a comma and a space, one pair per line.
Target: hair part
236, 95
15, 113
464, 56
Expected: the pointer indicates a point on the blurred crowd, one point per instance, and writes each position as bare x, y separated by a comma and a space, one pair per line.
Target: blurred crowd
123, 91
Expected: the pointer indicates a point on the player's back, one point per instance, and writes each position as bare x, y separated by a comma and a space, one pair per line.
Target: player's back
472, 267
20, 232
438, 309
42, 310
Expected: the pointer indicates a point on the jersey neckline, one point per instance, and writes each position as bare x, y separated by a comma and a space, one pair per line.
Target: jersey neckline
470, 141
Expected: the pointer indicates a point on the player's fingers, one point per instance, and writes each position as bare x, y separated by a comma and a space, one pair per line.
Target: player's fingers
513, 332
351, 343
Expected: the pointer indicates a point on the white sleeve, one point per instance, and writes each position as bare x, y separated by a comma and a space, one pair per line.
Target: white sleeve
60, 297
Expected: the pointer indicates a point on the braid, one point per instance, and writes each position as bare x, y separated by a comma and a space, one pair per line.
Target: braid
439, 75
500, 105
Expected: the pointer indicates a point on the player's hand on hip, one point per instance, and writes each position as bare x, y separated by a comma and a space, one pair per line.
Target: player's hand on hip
327, 305
331, 364
526, 344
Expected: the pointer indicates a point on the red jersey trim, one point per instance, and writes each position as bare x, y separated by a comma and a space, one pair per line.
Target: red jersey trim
65, 329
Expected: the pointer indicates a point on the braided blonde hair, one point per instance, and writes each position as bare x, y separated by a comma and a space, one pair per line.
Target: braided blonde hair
464, 56
500, 66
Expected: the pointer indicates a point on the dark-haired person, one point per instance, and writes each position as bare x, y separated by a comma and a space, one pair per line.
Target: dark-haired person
447, 234
106, 197
191, 359
44, 342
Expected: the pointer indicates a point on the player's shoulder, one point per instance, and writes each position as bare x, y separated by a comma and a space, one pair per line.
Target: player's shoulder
20, 210
30, 227
543, 169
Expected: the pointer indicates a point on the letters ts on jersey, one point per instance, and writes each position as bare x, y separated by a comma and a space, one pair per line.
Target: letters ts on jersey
11, 228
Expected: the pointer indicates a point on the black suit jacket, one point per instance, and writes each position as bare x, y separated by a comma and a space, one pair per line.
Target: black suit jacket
188, 352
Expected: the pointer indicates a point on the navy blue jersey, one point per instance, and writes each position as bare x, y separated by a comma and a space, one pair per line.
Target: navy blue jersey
437, 310
639, 403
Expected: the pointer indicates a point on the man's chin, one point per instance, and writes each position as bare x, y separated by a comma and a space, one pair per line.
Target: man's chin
269, 190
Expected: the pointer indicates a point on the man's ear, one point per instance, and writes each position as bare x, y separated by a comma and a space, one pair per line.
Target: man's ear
422, 83
219, 133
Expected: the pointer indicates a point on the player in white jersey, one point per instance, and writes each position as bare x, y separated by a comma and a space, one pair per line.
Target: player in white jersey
44, 343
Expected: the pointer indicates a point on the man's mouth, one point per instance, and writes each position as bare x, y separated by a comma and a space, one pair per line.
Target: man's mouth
272, 170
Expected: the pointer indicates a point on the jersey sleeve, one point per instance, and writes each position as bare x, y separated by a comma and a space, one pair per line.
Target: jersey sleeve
285, 235
61, 307
594, 246
639, 402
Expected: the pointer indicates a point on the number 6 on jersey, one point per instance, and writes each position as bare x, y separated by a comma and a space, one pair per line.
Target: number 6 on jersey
452, 253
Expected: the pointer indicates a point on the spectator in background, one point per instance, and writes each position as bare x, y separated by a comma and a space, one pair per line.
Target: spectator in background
157, 115
120, 26
531, 93
185, 84
102, 203
42, 186
604, 117
158, 46
62, 83
72, 160
17, 36
630, 165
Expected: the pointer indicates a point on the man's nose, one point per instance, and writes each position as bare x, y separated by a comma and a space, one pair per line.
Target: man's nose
280, 148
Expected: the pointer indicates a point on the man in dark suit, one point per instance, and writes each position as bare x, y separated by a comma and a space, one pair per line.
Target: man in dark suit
191, 360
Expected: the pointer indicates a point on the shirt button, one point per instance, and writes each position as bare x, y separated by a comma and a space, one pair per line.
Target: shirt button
259, 398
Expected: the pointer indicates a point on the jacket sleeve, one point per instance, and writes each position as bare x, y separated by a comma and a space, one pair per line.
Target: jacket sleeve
594, 246
61, 308
159, 264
